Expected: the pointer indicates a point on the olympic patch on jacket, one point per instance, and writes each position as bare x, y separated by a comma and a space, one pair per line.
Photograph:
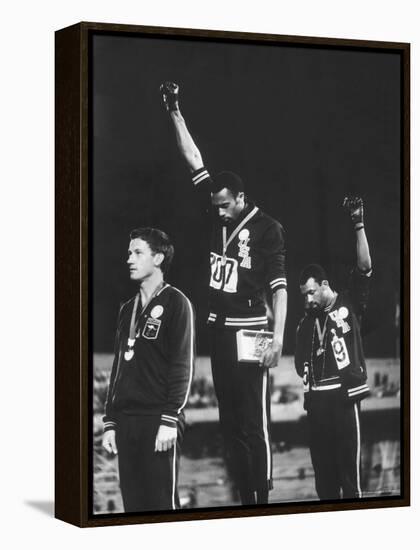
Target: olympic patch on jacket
244, 249
339, 316
151, 328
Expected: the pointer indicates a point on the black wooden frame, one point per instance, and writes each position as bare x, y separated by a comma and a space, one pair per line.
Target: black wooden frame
72, 383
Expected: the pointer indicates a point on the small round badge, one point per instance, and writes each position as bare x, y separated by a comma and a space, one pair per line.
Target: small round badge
343, 312
156, 312
243, 235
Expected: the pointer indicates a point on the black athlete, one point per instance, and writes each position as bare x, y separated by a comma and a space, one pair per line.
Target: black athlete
150, 378
329, 357
247, 256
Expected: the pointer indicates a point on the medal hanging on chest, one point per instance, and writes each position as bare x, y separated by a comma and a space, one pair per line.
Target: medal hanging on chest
129, 352
321, 336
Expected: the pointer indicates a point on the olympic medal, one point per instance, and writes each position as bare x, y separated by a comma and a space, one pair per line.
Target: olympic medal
129, 354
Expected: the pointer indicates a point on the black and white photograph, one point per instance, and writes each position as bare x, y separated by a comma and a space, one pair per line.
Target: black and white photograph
246, 273
242, 178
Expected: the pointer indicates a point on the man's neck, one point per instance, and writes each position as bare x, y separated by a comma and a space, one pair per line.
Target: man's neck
150, 285
244, 209
331, 300
241, 215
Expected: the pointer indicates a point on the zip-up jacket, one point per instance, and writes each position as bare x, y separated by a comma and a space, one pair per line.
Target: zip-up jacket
246, 258
156, 380
329, 352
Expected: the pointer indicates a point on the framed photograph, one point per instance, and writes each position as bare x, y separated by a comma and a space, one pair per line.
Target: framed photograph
232, 274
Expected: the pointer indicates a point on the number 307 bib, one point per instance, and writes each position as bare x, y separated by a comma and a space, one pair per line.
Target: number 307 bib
223, 277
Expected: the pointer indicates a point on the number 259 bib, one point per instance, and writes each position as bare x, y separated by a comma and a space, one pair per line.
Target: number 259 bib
224, 274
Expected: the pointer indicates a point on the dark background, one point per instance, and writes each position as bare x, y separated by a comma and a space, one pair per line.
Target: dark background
303, 126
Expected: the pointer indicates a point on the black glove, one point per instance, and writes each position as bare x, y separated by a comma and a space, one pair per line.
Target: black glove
354, 206
169, 91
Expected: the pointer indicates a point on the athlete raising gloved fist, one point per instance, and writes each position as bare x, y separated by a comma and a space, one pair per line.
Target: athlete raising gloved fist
329, 358
355, 207
247, 257
169, 92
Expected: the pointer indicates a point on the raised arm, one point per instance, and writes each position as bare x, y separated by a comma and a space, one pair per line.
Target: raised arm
354, 205
185, 142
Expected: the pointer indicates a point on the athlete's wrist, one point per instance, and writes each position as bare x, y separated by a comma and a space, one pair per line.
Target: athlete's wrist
176, 113
277, 343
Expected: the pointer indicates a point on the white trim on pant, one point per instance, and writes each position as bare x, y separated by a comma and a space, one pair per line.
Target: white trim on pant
174, 477
356, 413
265, 423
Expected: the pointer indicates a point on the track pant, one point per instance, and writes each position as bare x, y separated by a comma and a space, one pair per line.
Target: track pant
334, 435
243, 394
148, 479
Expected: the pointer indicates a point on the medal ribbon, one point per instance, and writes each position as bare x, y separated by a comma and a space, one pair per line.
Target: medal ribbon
321, 335
132, 332
235, 232
133, 324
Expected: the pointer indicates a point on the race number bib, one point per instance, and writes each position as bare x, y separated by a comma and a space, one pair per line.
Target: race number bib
223, 277
341, 354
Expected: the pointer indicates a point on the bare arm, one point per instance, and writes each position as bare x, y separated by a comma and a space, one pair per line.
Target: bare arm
186, 145
364, 262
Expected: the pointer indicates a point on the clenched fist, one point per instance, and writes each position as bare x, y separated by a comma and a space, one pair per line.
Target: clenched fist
169, 91
354, 206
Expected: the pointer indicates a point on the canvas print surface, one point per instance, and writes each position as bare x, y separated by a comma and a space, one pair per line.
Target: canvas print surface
272, 174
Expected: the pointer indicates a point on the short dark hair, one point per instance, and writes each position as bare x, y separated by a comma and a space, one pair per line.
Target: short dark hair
158, 242
228, 180
312, 270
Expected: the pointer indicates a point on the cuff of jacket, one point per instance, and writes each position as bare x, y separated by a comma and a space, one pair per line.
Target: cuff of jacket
276, 284
200, 175
169, 419
358, 392
109, 424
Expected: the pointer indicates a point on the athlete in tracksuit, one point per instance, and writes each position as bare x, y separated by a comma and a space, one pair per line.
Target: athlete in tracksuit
329, 358
247, 256
150, 379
